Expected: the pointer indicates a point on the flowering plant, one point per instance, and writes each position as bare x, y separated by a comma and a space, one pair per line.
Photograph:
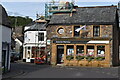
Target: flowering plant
89, 57
80, 56
100, 57
69, 57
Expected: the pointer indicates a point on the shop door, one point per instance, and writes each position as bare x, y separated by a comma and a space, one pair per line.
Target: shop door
60, 54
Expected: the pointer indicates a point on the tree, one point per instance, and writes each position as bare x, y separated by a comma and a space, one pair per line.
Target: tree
17, 21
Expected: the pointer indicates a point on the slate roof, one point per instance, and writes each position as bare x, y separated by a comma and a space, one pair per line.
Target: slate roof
21, 38
34, 26
100, 14
4, 17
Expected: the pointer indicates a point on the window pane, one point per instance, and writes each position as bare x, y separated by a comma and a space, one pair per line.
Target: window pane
80, 53
70, 52
90, 50
96, 30
41, 37
100, 52
80, 50
75, 32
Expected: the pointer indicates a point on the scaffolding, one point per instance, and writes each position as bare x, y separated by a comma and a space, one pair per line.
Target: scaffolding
51, 8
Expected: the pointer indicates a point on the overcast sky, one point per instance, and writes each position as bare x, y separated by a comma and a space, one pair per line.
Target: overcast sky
31, 7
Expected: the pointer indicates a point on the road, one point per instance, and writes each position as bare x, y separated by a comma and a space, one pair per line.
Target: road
29, 70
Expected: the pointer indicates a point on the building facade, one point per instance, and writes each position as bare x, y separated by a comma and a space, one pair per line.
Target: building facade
5, 31
88, 36
34, 41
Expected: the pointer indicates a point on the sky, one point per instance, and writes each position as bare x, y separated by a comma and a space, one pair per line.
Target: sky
32, 7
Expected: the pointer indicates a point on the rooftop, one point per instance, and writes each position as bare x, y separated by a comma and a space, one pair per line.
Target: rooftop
84, 15
4, 17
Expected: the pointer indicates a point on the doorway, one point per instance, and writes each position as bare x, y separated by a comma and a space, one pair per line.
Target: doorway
60, 54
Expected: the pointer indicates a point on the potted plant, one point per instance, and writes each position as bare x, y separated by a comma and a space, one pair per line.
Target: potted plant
80, 57
100, 57
69, 57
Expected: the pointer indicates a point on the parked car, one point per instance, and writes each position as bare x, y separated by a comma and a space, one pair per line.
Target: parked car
14, 56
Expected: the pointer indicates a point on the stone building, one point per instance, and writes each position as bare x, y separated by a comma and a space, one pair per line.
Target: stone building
87, 36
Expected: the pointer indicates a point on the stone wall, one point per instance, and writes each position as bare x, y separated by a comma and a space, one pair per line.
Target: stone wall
105, 31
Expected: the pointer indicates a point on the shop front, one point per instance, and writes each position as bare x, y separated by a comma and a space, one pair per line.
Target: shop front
81, 53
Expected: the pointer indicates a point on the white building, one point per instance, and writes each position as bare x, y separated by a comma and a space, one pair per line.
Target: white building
34, 41
5, 40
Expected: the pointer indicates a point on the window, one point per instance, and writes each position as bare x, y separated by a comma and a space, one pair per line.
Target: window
60, 31
28, 48
80, 53
100, 52
96, 31
40, 36
75, 32
90, 50
80, 50
70, 52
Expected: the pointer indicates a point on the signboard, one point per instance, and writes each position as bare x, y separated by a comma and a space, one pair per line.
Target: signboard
48, 42
70, 42
81, 42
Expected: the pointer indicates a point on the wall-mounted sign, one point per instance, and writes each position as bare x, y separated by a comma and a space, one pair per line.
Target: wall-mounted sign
81, 42
48, 42
70, 42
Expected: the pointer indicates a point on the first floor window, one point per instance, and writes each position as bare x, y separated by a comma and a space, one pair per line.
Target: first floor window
76, 33
40, 36
96, 31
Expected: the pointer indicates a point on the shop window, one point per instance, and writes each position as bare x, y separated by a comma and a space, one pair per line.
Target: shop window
35, 52
90, 50
90, 53
100, 52
70, 52
76, 33
80, 53
96, 31
40, 36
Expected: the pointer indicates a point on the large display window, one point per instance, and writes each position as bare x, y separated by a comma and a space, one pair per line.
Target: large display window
70, 52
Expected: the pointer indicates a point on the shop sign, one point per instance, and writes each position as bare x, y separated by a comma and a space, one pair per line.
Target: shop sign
70, 42
48, 42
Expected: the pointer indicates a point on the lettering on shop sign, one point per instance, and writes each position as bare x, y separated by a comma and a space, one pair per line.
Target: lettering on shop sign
70, 42
61, 42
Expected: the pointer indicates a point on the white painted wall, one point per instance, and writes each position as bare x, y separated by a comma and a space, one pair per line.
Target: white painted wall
26, 27
0, 46
32, 37
6, 37
6, 34
30, 40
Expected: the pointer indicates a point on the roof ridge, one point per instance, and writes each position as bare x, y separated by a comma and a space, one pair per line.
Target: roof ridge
98, 6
